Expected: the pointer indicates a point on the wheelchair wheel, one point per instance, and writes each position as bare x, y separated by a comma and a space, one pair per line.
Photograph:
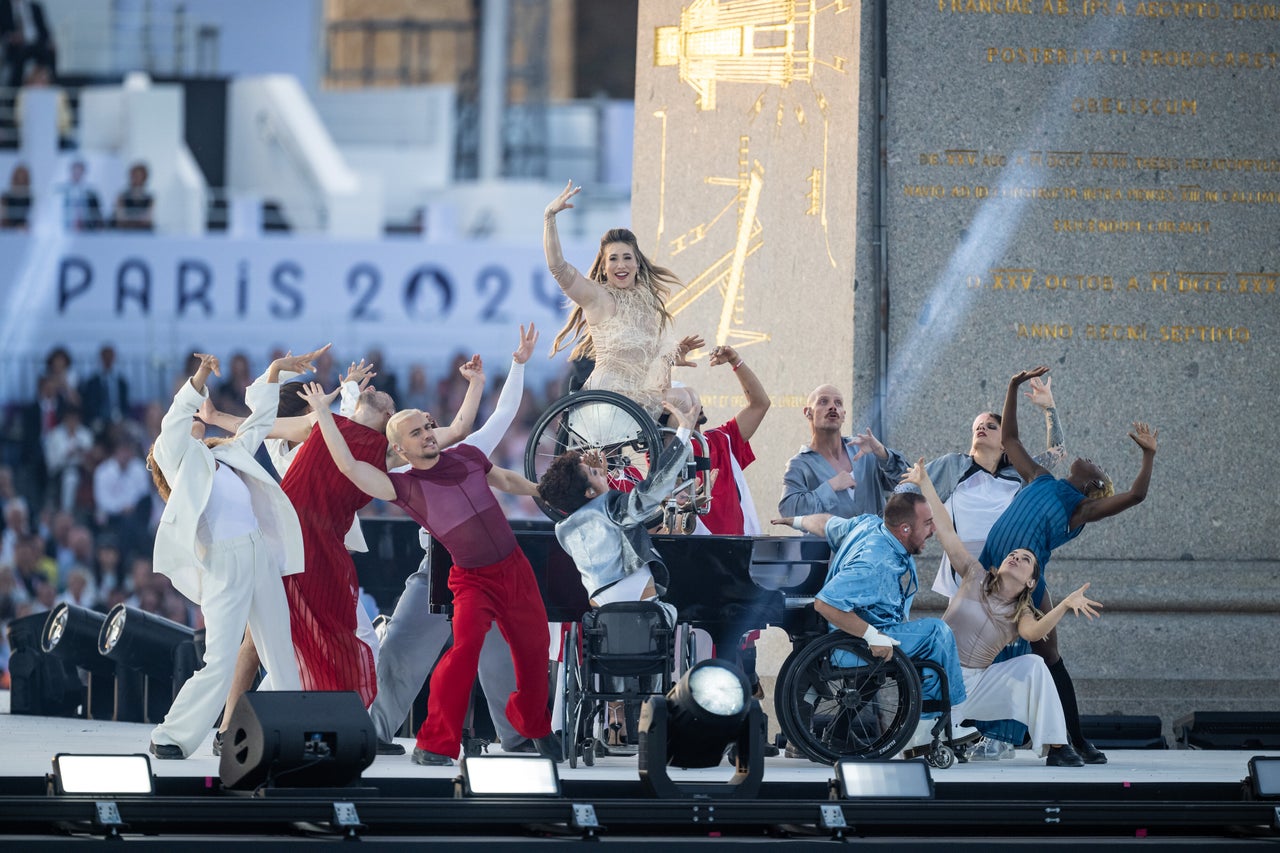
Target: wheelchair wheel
941, 758
835, 699
571, 742
613, 424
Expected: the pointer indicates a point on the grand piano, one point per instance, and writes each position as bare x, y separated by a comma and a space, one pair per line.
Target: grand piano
725, 585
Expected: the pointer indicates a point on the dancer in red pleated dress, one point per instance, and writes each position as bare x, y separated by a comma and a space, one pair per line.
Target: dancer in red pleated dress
322, 599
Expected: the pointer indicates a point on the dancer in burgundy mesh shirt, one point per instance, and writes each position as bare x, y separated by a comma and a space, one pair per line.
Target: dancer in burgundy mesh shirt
450, 493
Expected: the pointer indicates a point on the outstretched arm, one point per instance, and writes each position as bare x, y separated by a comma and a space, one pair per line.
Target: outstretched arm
575, 285
815, 523
473, 372
489, 436
1033, 630
506, 480
961, 560
1096, 510
1027, 467
751, 415
1040, 394
369, 479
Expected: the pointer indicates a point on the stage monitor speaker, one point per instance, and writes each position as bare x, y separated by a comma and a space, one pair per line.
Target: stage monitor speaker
1117, 731
296, 739
1229, 730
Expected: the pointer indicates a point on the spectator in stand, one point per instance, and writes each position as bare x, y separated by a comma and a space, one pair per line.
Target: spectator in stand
17, 524
81, 210
15, 203
59, 526
80, 543
31, 566
79, 590
452, 388
104, 396
133, 205
24, 37
41, 77
57, 368
106, 566
418, 395
66, 447
34, 421
122, 497
388, 381
232, 389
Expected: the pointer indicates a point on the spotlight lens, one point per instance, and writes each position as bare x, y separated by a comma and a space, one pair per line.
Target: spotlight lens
115, 628
717, 690
56, 628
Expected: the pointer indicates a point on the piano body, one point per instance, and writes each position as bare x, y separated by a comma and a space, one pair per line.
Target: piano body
725, 585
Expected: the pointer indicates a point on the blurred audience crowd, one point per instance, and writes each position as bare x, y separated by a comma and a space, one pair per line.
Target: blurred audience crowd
78, 508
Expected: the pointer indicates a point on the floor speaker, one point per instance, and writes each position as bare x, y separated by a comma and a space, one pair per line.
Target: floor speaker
1229, 730
296, 739
1119, 731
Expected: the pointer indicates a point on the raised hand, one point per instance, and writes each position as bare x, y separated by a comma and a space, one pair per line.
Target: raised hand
687, 344
724, 355
561, 202
915, 474
473, 369
527, 341
208, 364
314, 394
593, 458
868, 443
361, 373
1080, 604
1026, 375
1039, 394
304, 363
1144, 436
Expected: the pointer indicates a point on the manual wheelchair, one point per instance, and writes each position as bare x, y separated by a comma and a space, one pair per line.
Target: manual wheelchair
624, 653
626, 437
834, 699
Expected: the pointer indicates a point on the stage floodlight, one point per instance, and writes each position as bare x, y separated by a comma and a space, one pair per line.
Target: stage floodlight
705, 709
102, 775
1264, 775
858, 780
71, 633
708, 709
509, 776
147, 642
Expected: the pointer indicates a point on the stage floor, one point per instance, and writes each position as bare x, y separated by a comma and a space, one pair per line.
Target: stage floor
1166, 796
29, 744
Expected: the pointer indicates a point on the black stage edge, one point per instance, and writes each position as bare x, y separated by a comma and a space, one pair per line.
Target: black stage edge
395, 810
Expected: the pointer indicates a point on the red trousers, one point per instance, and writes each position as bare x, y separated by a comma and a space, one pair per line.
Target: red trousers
507, 593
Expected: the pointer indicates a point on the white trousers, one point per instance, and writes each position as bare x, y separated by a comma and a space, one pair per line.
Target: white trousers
238, 587
1019, 689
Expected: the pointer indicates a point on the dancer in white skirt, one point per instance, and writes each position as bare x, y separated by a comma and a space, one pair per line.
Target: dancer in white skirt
988, 611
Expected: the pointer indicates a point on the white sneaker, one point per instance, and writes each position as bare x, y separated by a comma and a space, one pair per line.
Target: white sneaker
991, 749
964, 735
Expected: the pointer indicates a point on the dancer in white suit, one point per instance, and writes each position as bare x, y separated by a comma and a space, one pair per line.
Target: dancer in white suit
227, 536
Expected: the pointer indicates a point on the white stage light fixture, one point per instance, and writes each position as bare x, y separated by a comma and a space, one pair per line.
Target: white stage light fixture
509, 776
859, 780
1264, 774
102, 775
